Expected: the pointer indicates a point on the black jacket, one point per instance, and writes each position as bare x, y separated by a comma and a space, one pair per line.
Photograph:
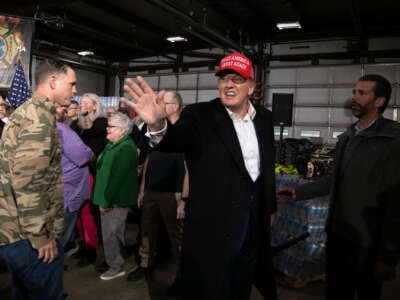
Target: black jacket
219, 196
365, 206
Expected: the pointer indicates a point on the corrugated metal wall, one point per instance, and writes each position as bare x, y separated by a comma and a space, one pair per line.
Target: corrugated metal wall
320, 93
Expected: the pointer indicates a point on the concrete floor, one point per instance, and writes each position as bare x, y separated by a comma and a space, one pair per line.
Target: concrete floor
85, 284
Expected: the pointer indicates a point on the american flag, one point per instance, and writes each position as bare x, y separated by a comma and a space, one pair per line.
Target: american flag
19, 91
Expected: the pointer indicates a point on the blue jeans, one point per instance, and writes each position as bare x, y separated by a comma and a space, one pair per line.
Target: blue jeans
70, 219
31, 278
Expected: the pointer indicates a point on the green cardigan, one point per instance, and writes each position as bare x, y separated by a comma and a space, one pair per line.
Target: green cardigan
116, 183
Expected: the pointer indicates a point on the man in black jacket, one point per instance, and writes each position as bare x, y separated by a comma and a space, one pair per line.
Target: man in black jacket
364, 219
160, 198
228, 146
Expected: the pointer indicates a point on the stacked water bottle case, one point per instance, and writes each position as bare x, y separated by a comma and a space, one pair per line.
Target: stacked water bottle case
305, 261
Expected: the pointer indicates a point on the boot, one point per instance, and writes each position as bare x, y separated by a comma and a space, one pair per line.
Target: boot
88, 258
80, 253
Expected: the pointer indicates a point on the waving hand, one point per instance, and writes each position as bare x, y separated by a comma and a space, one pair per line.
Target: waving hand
146, 103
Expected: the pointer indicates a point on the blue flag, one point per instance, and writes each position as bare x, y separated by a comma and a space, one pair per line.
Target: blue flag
19, 91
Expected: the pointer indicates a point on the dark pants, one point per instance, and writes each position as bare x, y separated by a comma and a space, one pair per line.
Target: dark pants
159, 207
70, 219
241, 275
31, 278
350, 271
244, 261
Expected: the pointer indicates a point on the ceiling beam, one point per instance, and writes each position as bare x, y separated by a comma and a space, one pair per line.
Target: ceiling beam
203, 55
165, 66
135, 21
355, 16
338, 55
200, 28
152, 29
29, 9
109, 37
88, 66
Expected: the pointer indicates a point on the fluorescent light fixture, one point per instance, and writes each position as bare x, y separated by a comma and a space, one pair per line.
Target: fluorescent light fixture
85, 53
177, 38
288, 25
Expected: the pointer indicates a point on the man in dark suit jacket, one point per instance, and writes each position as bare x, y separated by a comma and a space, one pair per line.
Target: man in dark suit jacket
228, 145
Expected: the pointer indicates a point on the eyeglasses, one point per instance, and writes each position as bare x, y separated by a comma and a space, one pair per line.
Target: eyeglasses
169, 103
236, 79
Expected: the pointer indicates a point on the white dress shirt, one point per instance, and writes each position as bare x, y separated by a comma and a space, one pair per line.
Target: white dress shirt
246, 134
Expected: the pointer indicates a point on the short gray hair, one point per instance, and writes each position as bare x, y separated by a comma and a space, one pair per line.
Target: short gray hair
177, 98
122, 121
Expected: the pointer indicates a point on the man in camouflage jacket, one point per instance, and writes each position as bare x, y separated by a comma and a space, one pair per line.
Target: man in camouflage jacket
31, 196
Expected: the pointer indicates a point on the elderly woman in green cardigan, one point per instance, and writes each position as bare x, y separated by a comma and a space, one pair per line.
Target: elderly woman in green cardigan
115, 190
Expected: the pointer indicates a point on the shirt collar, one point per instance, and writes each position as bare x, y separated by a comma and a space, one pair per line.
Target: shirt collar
357, 129
251, 113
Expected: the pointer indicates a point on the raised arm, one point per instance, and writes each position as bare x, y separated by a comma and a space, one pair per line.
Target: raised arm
146, 103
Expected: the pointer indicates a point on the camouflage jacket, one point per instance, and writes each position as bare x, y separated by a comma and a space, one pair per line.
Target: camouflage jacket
31, 197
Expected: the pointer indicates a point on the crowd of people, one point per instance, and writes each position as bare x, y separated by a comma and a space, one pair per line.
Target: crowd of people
71, 174
72, 171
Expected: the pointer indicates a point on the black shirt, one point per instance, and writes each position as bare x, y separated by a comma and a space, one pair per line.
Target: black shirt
165, 172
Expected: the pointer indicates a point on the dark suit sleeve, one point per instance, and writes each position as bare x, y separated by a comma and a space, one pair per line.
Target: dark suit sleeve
143, 145
136, 135
183, 135
389, 246
317, 188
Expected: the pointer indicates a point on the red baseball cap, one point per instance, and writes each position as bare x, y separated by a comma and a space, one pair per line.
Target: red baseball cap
238, 63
